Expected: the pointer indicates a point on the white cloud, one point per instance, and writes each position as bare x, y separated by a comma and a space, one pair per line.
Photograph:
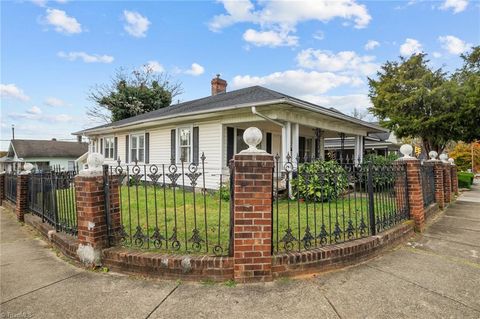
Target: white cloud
154, 66
345, 61
437, 55
454, 45
137, 25
319, 35
269, 38
288, 13
371, 44
34, 110
456, 5
55, 102
411, 46
297, 82
36, 114
343, 103
43, 3
195, 70
87, 58
12, 91
62, 22
278, 19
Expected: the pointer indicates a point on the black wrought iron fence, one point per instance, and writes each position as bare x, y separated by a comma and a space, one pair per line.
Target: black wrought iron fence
317, 202
11, 186
427, 174
51, 196
169, 207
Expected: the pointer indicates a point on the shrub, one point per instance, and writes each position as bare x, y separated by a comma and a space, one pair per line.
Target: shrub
320, 181
376, 159
383, 174
465, 180
224, 192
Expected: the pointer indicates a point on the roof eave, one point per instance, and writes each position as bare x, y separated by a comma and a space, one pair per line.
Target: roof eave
233, 107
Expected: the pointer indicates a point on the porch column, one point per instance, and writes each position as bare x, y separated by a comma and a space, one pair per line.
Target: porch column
358, 151
286, 141
295, 138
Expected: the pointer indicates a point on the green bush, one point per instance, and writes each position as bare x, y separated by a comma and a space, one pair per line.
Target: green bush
383, 173
320, 181
465, 179
376, 159
225, 192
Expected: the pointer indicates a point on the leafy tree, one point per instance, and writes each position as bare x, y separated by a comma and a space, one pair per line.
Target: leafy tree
415, 101
467, 84
129, 94
463, 154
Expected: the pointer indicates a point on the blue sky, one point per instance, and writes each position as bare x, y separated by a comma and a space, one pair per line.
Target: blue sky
54, 52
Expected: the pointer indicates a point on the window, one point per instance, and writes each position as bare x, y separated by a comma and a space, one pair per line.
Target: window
185, 143
240, 145
108, 147
71, 166
137, 147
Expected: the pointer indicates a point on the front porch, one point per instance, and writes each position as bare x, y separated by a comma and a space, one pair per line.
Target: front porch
301, 141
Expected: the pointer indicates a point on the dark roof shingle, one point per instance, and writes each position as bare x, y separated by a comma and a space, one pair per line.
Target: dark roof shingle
48, 148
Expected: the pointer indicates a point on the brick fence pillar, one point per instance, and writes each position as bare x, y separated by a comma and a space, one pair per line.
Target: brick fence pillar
22, 195
439, 191
252, 216
454, 178
2, 187
447, 182
415, 195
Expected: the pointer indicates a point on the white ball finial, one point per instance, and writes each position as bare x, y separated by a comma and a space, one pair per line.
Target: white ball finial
94, 162
451, 161
28, 167
252, 137
406, 150
443, 157
433, 155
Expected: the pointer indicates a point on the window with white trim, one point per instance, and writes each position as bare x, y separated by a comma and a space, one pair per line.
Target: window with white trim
108, 147
184, 136
137, 147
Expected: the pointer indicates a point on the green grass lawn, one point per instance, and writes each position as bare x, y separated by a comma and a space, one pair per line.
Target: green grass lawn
150, 207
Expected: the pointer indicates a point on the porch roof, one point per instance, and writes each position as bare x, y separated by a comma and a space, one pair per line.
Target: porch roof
242, 98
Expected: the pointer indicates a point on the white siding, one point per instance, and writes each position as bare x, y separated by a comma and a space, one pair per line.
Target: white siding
210, 143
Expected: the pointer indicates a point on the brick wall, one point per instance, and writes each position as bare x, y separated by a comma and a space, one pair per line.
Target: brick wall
169, 266
439, 190
2, 187
415, 195
252, 217
92, 227
454, 178
447, 182
22, 196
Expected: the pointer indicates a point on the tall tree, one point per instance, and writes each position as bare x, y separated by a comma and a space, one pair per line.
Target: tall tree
467, 83
129, 94
415, 101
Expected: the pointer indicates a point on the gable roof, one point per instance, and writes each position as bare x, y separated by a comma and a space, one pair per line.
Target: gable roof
239, 98
48, 148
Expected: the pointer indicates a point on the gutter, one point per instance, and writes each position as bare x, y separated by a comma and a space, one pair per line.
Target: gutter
335, 114
255, 112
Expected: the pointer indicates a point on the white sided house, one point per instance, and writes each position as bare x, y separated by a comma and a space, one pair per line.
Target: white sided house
214, 126
43, 154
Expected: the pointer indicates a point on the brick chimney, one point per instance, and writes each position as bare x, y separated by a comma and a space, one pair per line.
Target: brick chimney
218, 85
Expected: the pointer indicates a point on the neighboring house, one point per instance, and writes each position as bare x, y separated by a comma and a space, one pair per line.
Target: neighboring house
43, 154
214, 125
382, 143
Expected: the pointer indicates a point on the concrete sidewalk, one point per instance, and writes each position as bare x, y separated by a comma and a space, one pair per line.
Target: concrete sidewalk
436, 275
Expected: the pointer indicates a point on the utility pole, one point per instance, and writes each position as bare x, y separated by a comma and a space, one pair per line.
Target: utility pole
13, 131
